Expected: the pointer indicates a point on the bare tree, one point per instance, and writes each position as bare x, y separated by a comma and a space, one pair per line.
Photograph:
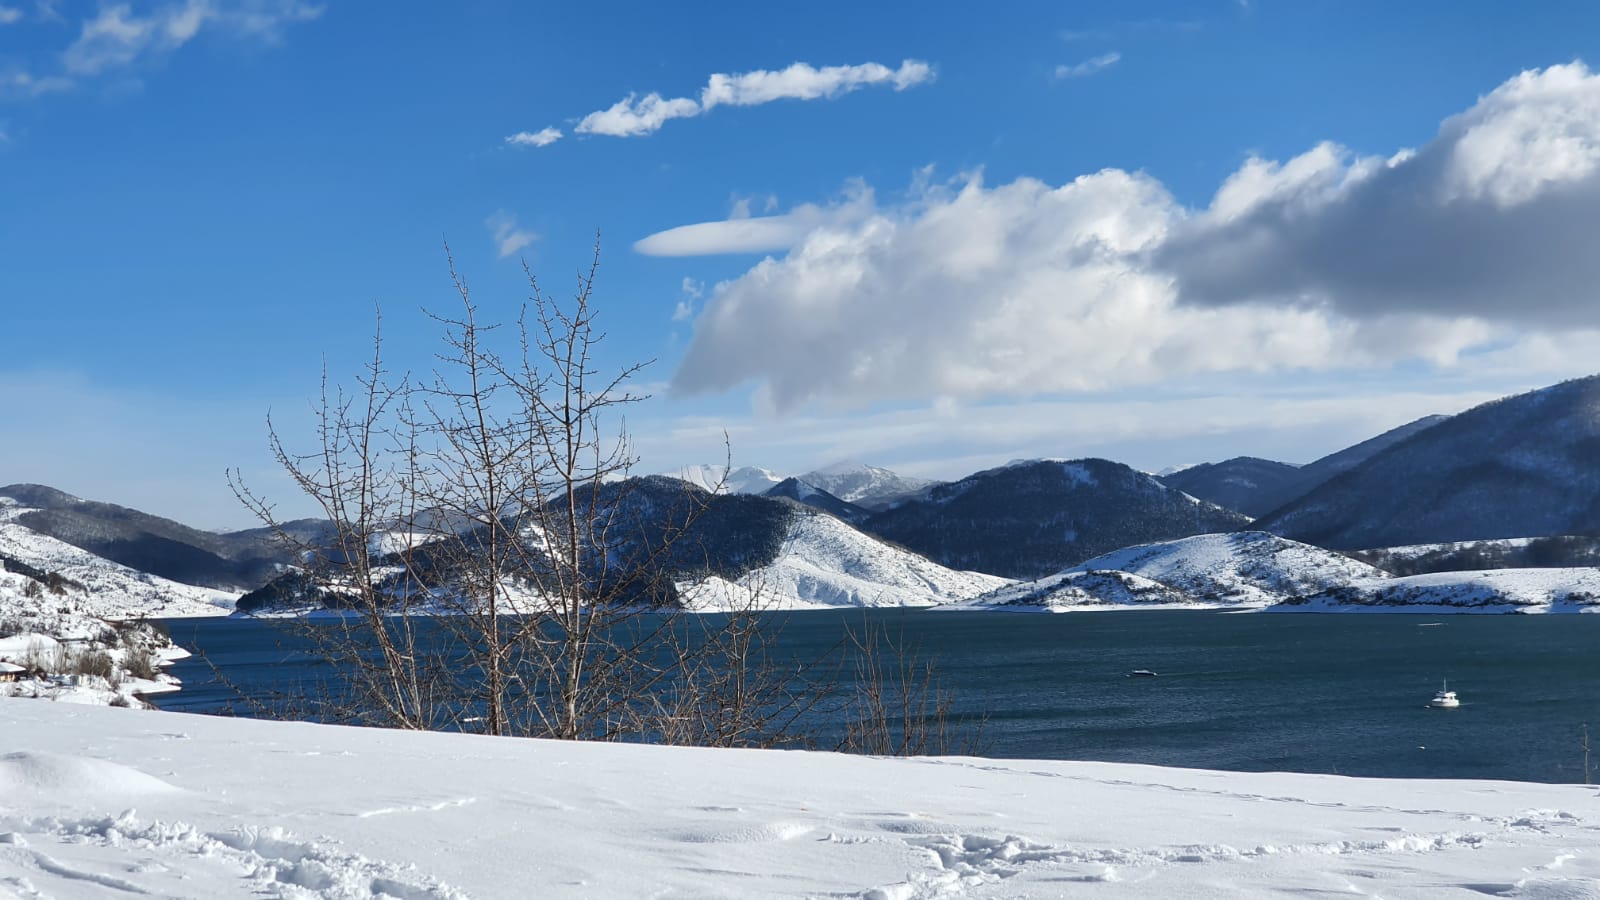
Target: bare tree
495, 567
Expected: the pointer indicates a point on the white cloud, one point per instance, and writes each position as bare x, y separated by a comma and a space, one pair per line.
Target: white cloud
744, 233
1325, 262
1492, 218
117, 36
508, 238
541, 138
803, 82
1088, 66
10, 15
634, 115
630, 117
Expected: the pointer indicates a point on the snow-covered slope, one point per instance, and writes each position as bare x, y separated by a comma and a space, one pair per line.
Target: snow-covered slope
741, 480
233, 561
1064, 591
824, 562
1246, 568
1497, 591
68, 620
108, 802
103, 589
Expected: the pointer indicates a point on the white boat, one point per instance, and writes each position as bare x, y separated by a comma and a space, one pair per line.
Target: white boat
1444, 699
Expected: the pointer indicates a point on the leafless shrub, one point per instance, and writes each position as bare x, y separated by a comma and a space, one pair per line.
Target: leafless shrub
494, 491
896, 705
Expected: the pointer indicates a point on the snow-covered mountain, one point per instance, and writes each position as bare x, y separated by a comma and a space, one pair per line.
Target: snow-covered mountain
232, 561
1497, 591
69, 620
1244, 569
1522, 466
823, 562
1257, 486
870, 487
671, 542
721, 479
90, 585
1030, 518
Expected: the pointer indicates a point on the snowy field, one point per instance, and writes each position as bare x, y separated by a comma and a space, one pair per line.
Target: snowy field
112, 802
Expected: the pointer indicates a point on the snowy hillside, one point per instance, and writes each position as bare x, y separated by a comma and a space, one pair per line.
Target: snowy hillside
109, 802
1092, 589
101, 588
233, 561
68, 620
1497, 591
824, 562
741, 480
1246, 568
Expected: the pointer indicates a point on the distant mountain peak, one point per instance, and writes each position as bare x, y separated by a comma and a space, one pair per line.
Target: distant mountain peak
719, 478
871, 487
1036, 516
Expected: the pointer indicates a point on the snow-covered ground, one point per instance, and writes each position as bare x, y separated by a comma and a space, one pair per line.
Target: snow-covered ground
825, 563
108, 802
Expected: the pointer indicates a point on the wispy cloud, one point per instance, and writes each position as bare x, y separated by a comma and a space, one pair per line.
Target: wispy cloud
508, 238
10, 15
118, 37
692, 290
1088, 66
541, 138
636, 115
19, 83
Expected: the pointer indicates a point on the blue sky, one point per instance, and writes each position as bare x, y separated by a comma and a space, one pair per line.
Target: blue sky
933, 236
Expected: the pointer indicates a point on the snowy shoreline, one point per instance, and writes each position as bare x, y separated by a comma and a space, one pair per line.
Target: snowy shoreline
183, 805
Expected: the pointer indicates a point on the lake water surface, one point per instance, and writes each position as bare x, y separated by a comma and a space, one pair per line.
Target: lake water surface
1326, 693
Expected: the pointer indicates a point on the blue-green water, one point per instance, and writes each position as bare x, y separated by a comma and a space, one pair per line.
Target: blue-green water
1341, 694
